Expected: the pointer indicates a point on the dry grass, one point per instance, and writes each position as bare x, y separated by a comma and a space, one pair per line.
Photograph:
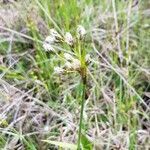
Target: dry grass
36, 104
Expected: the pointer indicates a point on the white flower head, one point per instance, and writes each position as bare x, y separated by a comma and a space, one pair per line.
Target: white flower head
76, 64
71, 63
55, 34
50, 39
81, 32
58, 70
68, 56
48, 47
69, 39
87, 58
68, 65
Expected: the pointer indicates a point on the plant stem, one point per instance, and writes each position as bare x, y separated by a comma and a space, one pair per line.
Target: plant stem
83, 74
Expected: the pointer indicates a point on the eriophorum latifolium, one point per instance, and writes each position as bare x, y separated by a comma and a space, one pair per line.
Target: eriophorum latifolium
76, 60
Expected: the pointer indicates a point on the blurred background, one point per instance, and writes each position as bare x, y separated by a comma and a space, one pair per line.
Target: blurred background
37, 105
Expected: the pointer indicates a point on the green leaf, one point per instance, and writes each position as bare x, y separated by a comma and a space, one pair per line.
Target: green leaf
86, 144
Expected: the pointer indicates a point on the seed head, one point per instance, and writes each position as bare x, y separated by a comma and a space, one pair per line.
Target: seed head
55, 34
76, 64
69, 39
81, 32
50, 40
71, 62
68, 57
48, 47
68, 65
87, 58
58, 70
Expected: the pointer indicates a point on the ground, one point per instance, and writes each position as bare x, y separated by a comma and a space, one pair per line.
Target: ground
41, 109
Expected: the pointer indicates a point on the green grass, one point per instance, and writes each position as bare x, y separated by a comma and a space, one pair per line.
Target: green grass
42, 109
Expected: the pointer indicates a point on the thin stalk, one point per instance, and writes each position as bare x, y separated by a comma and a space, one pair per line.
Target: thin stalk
117, 30
83, 74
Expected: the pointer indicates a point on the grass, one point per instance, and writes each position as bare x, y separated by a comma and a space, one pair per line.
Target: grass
41, 110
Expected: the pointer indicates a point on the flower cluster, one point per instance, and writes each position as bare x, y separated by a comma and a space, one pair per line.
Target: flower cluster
81, 32
50, 40
72, 63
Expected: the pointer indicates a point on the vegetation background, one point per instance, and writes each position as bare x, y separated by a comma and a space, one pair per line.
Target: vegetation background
39, 110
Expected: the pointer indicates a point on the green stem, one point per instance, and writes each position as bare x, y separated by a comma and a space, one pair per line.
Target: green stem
82, 106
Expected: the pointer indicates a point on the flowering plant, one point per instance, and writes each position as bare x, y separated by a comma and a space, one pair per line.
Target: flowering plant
76, 61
